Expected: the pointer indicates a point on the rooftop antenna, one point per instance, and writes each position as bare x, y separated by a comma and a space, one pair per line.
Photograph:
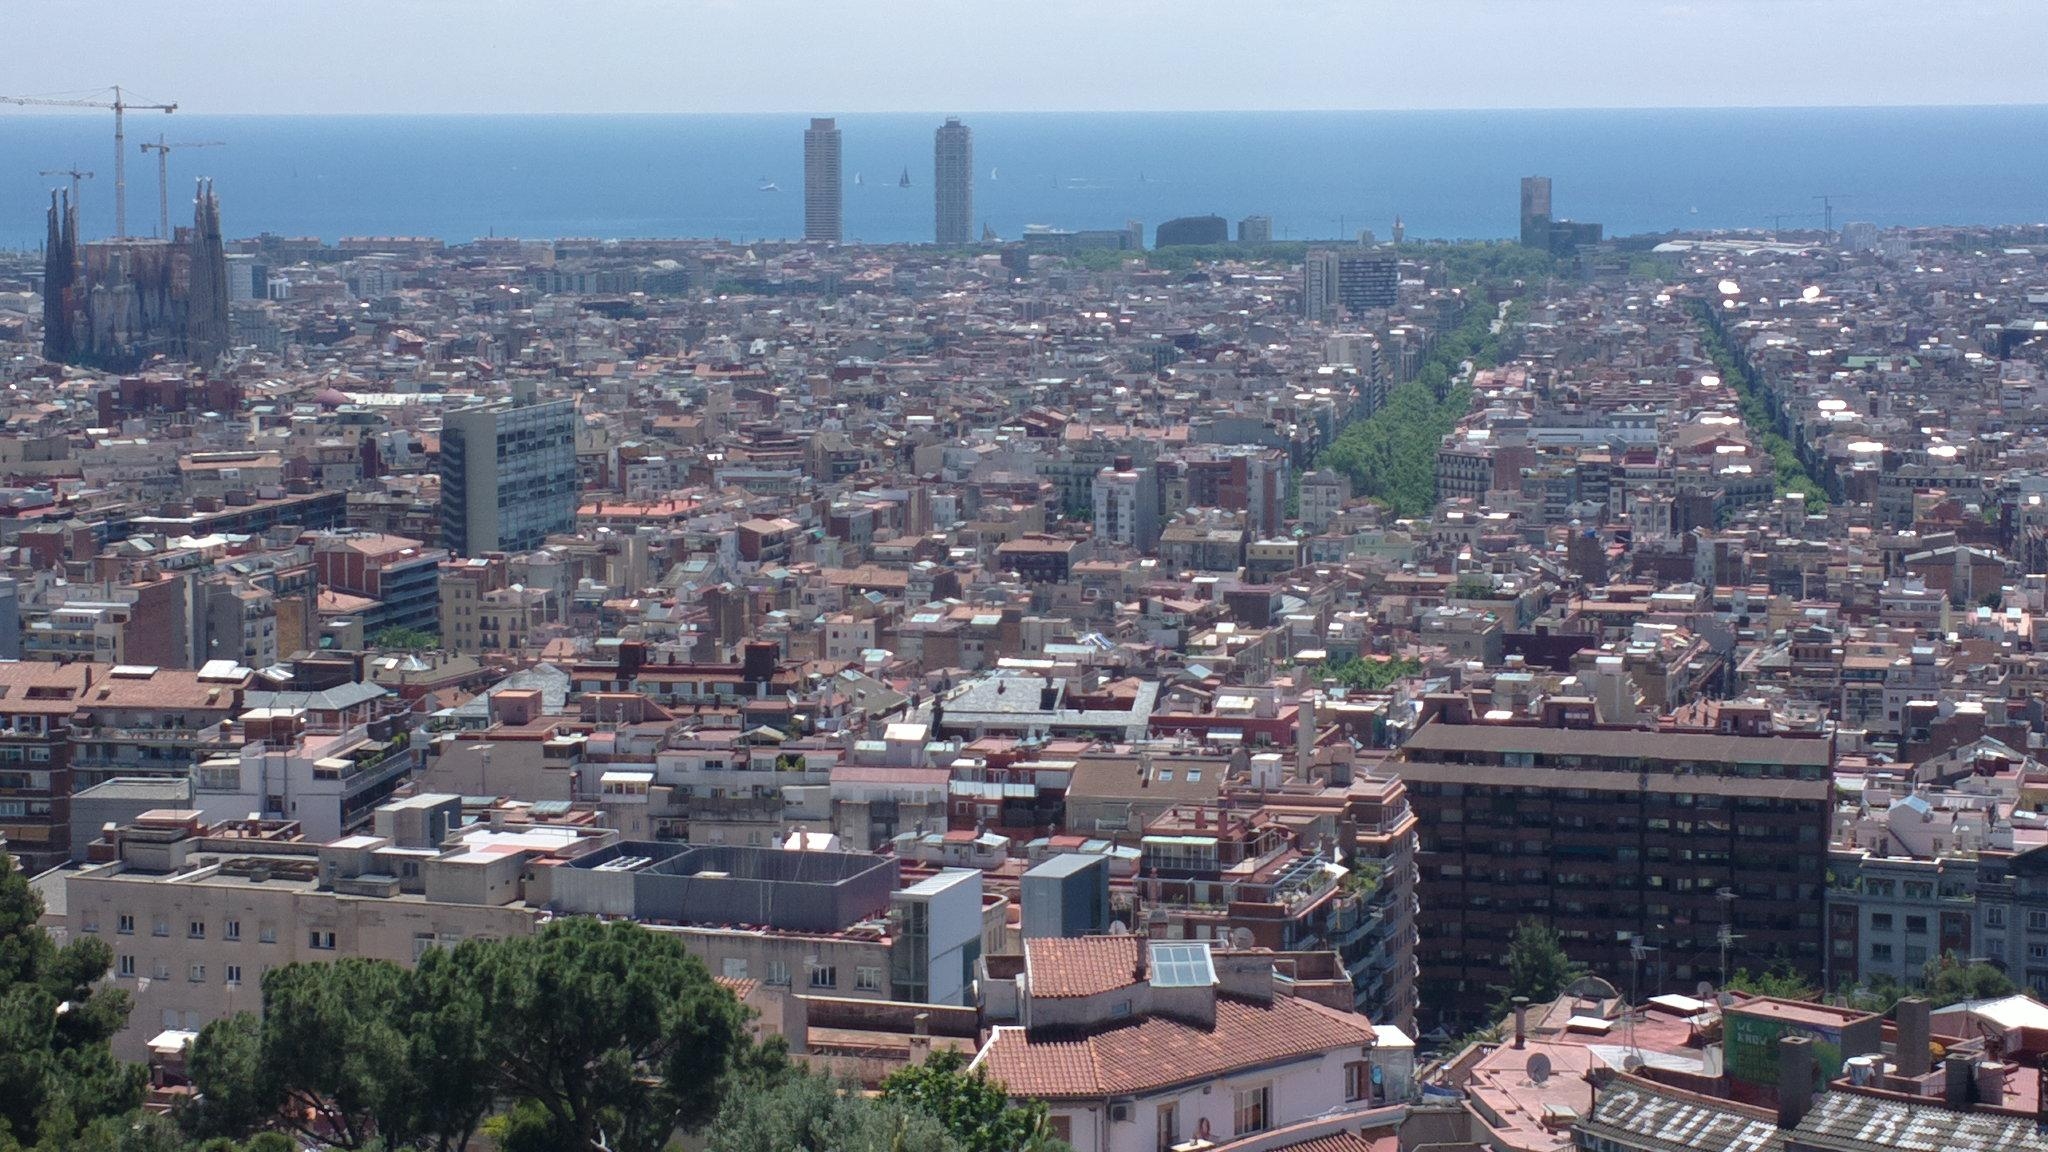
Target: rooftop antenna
1726, 935
1638, 951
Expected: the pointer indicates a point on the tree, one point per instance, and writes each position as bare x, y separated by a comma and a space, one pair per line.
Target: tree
58, 1074
448, 1059
805, 1111
1537, 966
403, 639
613, 1030
974, 1109
1951, 981
226, 1064
1780, 983
333, 1056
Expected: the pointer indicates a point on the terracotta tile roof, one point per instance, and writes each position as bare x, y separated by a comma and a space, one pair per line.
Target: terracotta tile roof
1065, 969
1158, 1052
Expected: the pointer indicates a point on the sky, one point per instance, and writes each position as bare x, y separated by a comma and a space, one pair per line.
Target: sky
846, 56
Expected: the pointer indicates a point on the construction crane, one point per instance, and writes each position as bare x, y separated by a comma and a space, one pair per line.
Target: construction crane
120, 105
75, 174
1827, 207
163, 186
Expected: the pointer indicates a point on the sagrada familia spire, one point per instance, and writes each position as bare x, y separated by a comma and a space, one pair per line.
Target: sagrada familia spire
114, 304
60, 277
206, 304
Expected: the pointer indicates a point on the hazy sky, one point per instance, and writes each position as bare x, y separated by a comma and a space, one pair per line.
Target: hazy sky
301, 56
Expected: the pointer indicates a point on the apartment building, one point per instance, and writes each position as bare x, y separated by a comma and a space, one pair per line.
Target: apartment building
1614, 836
36, 706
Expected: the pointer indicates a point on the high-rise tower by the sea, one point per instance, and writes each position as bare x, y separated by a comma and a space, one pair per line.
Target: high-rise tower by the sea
823, 194
953, 182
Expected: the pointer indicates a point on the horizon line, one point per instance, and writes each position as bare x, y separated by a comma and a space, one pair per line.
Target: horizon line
39, 112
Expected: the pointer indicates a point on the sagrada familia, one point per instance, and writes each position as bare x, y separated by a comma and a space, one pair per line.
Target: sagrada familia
113, 304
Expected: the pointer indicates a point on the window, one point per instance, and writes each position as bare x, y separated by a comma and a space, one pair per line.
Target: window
1062, 1128
198, 974
421, 941
195, 930
160, 928
824, 976
778, 973
92, 923
125, 924
2037, 951
1169, 1126
320, 939
126, 966
266, 935
735, 968
234, 973
231, 930
2037, 921
1994, 917
1881, 952
1357, 1080
867, 979
1254, 1109
161, 970
1916, 925
1881, 922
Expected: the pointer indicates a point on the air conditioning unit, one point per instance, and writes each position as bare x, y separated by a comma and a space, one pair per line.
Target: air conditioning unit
1120, 1112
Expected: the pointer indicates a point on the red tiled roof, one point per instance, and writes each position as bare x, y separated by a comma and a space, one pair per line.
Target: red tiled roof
1158, 1052
1065, 969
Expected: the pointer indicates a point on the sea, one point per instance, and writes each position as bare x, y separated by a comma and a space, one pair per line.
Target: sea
1317, 175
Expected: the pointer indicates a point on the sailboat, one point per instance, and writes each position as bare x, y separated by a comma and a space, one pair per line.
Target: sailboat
856, 179
768, 185
992, 175
905, 181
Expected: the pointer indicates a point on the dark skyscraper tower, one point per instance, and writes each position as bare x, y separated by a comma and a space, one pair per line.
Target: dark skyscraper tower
953, 181
822, 191
1536, 211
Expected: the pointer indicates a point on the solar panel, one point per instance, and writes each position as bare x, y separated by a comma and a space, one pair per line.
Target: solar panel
1178, 964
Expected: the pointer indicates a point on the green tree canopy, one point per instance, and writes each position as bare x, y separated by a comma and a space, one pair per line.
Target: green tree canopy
808, 1113
615, 1031
974, 1109
1949, 980
58, 1074
403, 639
1781, 982
1537, 966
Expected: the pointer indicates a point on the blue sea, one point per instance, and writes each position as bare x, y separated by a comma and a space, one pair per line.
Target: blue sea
1317, 174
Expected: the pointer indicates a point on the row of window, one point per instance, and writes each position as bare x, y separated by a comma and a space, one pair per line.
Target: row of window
231, 930
124, 966
865, 978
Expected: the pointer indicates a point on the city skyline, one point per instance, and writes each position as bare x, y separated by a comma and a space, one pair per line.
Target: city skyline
922, 56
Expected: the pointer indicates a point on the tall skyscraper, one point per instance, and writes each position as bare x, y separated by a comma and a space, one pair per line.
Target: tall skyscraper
1255, 230
1536, 211
823, 194
953, 181
508, 475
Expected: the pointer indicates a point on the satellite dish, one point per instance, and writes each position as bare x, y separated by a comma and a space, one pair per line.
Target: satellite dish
1539, 1068
1810, 292
1705, 991
1241, 938
1119, 928
1631, 1063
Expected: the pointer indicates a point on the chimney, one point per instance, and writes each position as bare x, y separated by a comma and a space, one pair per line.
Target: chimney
1911, 1018
1305, 737
1796, 1073
1959, 1078
1521, 1019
